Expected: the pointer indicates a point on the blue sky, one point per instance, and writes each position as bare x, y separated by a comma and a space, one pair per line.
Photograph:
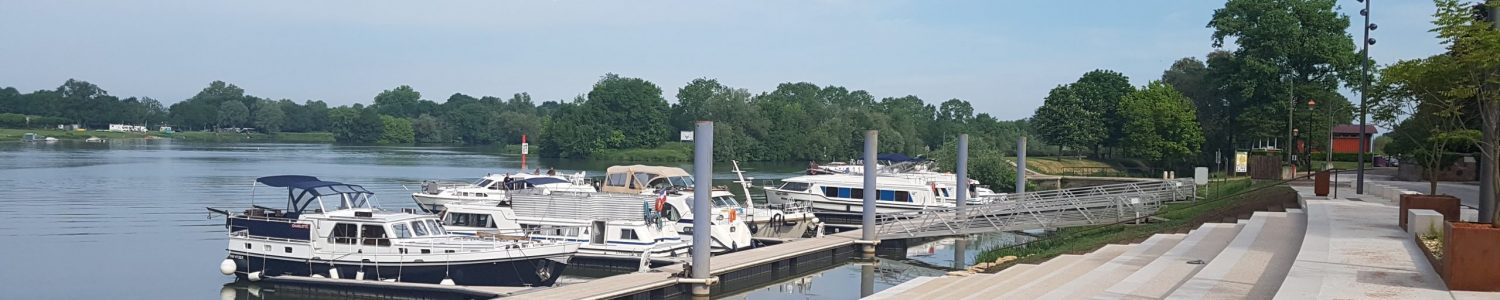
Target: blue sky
1002, 56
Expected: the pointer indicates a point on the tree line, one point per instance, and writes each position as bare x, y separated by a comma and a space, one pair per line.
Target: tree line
796, 121
1285, 53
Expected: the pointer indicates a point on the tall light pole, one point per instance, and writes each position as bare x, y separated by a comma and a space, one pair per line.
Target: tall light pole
1364, 95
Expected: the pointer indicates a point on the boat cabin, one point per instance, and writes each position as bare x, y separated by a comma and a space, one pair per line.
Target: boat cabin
636, 179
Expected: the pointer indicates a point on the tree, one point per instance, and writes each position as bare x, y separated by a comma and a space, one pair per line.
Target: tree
1100, 92
232, 114
1285, 49
635, 109
401, 102
395, 131
573, 132
1190, 77
356, 124
1064, 121
1159, 124
269, 116
428, 129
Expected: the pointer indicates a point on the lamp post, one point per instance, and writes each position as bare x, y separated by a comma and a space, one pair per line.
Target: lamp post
1364, 95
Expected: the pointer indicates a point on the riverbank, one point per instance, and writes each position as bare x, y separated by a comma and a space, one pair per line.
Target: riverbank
1228, 198
280, 137
667, 152
7, 134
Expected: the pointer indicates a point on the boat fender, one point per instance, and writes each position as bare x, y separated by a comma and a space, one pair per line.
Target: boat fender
359, 275
253, 276
227, 267
333, 273
447, 281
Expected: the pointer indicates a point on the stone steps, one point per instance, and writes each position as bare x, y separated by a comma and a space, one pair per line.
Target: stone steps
1044, 284
1096, 281
1254, 264
1159, 278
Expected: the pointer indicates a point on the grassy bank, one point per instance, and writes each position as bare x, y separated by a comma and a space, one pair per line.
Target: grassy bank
282, 137
8, 134
1229, 198
670, 151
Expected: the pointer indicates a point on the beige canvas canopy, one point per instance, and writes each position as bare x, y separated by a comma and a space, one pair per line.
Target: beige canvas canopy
636, 178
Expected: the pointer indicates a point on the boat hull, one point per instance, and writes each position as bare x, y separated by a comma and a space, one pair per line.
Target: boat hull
523, 272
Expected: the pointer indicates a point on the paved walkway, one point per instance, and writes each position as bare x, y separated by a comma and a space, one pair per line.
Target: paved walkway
1355, 250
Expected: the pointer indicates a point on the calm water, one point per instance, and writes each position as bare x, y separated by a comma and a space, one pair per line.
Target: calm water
125, 219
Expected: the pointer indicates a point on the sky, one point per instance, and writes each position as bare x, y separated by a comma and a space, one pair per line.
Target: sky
1002, 56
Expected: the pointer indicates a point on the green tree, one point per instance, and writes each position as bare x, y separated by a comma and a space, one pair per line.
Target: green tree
573, 132
1063, 120
395, 131
1101, 91
232, 114
401, 102
1286, 49
1160, 125
428, 129
630, 106
269, 116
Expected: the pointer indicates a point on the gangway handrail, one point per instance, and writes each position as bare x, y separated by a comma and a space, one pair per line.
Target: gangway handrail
1037, 210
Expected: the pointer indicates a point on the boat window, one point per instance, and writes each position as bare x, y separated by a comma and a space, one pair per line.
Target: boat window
485, 182
345, 233
374, 235
467, 220
628, 234
436, 229
671, 214
857, 193
419, 227
641, 179
830, 191
617, 179
794, 186
903, 196
401, 230
945, 192
885, 195
682, 181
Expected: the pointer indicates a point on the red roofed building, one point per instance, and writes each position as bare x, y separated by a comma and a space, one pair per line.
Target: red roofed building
1346, 138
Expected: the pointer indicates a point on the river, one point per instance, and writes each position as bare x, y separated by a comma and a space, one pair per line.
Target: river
126, 219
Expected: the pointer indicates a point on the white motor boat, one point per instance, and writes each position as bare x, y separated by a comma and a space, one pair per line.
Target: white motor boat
334, 230
674, 189
606, 226
493, 188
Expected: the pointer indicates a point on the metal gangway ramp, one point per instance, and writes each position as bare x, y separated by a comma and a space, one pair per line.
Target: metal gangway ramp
1083, 206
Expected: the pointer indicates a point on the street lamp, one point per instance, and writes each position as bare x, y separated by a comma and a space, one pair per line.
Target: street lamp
1364, 95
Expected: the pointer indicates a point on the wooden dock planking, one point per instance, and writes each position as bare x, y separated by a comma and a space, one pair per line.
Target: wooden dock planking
626, 284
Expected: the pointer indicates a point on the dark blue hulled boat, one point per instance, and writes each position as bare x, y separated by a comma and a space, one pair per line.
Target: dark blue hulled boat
331, 229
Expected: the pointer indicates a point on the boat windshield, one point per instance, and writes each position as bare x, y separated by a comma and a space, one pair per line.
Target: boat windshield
725, 202
681, 181
483, 182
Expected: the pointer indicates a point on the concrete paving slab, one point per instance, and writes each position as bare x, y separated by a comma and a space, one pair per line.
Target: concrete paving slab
1352, 251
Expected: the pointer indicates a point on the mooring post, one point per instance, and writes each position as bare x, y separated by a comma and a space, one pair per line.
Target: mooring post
1021, 166
962, 194
867, 227
703, 159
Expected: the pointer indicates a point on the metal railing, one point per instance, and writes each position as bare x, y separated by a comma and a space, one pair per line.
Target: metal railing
1039, 210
